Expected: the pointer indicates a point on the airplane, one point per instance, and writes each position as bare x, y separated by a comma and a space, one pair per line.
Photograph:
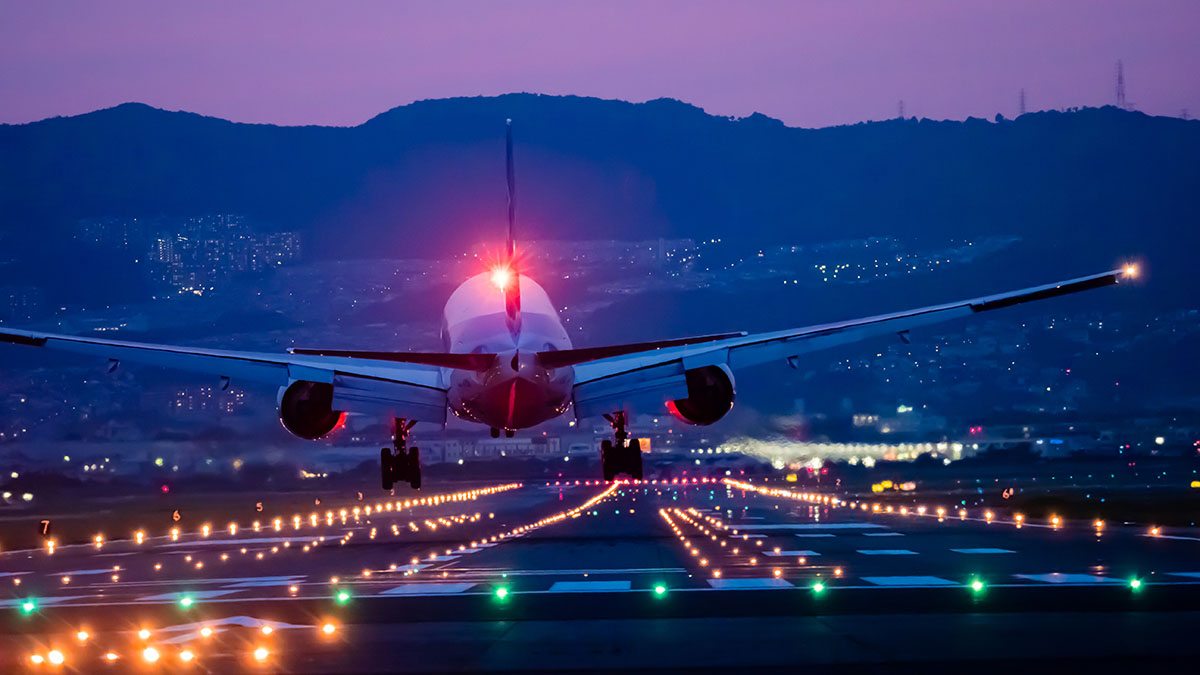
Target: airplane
509, 364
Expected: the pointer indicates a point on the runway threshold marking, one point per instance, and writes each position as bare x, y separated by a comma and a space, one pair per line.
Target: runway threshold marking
912, 581
886, 551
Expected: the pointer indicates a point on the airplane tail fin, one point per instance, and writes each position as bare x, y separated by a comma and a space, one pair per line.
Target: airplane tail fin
512, 290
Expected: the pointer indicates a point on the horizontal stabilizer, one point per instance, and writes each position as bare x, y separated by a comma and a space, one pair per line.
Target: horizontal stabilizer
569, 357
438, 359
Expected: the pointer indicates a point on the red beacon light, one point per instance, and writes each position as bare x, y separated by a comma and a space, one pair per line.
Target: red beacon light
501, 276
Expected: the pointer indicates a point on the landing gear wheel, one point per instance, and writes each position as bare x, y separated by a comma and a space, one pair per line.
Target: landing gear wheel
607, 460
385, 467
414, 467
633, 459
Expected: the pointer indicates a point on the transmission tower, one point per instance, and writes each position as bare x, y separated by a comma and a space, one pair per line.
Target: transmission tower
1120, 85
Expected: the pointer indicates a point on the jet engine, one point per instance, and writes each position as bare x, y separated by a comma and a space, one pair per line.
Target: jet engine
710, 396
306, 409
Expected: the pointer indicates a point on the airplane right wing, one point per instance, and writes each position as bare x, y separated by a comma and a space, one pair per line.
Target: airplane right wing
657, 376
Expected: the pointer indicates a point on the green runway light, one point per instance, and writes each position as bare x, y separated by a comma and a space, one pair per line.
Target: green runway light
660, 590
501, 592
1135, 584
977, 585
29, 606
818, 588
187, 601
342, 597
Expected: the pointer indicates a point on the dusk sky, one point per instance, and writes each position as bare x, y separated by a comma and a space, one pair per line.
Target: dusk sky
807, 63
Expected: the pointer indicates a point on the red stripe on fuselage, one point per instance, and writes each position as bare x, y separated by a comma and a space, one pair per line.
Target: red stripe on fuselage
512, 403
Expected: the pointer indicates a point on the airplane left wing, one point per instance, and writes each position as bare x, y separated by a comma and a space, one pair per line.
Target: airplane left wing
410, 390
656, 376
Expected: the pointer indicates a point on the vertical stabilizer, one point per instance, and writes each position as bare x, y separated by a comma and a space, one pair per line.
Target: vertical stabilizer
512, 290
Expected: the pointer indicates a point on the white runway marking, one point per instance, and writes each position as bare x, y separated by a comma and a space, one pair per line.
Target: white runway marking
982, 551
428, 589
806, 554
1060, 578
1170, 536
815, 526
198, 595
886, 551
13, 574
883, 534
819, 535
1192, 575
87, 573
240, 542
910, 581
590, 586
744, 584
42, 602
262, 582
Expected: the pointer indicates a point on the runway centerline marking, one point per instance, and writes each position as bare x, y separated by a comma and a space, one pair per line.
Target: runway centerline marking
590, 586
429, 588
886, 551
749, 584
982, 551
806, 554
815, 526
883, 534
198, 595
1060, 578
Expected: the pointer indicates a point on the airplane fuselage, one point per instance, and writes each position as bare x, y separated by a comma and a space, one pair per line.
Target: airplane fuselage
516, 393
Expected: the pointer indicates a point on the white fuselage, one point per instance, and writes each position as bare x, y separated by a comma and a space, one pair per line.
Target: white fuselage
516, 393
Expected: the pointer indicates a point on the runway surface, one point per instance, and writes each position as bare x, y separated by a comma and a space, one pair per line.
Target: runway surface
715, 575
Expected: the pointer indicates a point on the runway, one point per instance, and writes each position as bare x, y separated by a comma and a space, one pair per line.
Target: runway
540, 576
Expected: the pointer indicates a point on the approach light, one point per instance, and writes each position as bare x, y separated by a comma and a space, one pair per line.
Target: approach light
261, 654
150, 655
328, 629
501, 276
55, 657
187, 655
1131, 271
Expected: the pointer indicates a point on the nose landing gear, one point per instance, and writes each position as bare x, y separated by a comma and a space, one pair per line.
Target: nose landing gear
400, 463
624, 455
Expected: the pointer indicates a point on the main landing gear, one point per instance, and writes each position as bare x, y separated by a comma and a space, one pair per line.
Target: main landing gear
622, 456
400, 463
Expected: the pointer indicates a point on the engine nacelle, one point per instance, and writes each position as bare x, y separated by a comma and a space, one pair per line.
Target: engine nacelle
710, 396
306, 409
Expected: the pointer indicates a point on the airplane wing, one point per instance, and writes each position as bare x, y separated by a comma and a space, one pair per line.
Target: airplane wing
656, 376
410, 390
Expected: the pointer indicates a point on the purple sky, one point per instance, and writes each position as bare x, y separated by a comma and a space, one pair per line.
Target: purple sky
807, 63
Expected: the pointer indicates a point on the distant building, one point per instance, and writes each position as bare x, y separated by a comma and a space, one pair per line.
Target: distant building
19, 303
